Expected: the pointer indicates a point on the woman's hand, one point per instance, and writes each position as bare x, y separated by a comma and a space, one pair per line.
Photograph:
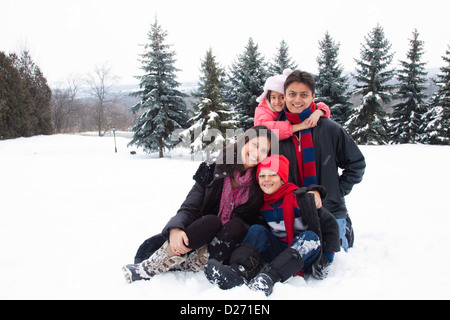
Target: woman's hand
178, 241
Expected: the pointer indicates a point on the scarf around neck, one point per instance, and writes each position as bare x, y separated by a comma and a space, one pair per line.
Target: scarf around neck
306, 160
232, 197
285, 192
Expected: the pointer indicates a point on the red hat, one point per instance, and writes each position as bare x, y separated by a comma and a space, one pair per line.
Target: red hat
276, 163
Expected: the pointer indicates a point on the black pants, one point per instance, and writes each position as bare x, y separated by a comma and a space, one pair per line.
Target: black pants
221, 239
222, 245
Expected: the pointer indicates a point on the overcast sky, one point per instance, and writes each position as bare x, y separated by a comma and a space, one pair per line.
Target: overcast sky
69, 38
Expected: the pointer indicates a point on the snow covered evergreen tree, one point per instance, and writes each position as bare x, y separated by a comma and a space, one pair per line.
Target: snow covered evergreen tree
246, 83
436, 122
282, 60
164, 108
369, 123
212, 117
332, 86
406, 119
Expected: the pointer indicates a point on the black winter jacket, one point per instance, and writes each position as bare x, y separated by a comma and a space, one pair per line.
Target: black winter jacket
333, 148
321, 221
204, 198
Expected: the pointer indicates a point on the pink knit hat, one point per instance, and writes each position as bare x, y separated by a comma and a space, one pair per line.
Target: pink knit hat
275, 83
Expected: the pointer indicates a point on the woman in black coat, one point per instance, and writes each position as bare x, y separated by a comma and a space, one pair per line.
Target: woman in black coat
216, 215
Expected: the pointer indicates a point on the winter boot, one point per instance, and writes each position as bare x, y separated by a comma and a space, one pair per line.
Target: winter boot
288, 263
245, 263
158, 263
196, 260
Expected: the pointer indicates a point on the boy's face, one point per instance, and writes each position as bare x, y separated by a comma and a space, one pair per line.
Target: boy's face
269, 181
277, 101
298, 97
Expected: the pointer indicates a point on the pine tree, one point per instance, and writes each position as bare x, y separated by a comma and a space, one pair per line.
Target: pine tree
331, 85
164, 108
282, 60
436, 122
212, 118
368, 124
246, 83
41, 94
16, 113
406, 119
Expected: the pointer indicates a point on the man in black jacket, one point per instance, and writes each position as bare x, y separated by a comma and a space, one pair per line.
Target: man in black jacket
333, 149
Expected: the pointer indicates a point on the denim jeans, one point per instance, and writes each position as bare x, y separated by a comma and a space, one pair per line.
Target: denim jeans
306, 243
342, 224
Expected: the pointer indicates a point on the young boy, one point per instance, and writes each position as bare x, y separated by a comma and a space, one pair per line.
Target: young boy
296, 236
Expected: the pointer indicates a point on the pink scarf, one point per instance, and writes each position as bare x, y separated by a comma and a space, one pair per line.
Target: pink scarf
231, 197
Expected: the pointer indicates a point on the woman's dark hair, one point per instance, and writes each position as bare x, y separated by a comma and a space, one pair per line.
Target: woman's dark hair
303, 77
230, 161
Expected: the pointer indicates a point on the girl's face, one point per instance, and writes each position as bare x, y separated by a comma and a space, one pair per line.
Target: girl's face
298, 97
255, 151
277, 101
269, 181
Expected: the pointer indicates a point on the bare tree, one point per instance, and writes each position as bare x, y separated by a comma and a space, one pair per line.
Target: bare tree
63, 105
100, 83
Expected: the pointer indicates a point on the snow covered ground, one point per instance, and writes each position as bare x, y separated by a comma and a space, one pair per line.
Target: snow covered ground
72, 212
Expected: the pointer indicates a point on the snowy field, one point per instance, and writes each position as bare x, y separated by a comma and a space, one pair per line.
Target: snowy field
72, 212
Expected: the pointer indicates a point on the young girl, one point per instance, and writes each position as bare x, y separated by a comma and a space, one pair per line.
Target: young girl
297, 237
272, 102
216, 214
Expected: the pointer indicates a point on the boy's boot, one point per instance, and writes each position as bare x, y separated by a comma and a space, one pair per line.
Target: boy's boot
288, 263
161, 261
245, 263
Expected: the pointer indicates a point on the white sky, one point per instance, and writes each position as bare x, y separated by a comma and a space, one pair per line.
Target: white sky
69, 38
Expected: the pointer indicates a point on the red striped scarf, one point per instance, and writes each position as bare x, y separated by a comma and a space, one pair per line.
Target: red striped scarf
306, 160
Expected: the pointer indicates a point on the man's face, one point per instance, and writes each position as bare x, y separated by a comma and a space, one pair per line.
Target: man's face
298, 97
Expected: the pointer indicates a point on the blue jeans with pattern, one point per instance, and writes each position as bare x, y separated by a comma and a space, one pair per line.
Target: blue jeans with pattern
307, 244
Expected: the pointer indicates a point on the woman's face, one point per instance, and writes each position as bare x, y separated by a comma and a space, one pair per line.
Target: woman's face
269, 181
277, 101
298, 97
255, 151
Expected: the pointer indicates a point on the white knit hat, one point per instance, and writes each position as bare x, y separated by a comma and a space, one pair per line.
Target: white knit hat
275, 83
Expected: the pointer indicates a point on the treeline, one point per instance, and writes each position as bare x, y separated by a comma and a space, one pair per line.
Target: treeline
24, 98
28, 106
91, 103
393, 100
226, 98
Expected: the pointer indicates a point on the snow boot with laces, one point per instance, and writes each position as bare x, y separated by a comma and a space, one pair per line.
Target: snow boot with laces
195, 261
288, 263
160, 262
245, 263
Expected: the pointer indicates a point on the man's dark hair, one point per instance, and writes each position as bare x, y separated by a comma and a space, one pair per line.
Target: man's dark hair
303, 77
